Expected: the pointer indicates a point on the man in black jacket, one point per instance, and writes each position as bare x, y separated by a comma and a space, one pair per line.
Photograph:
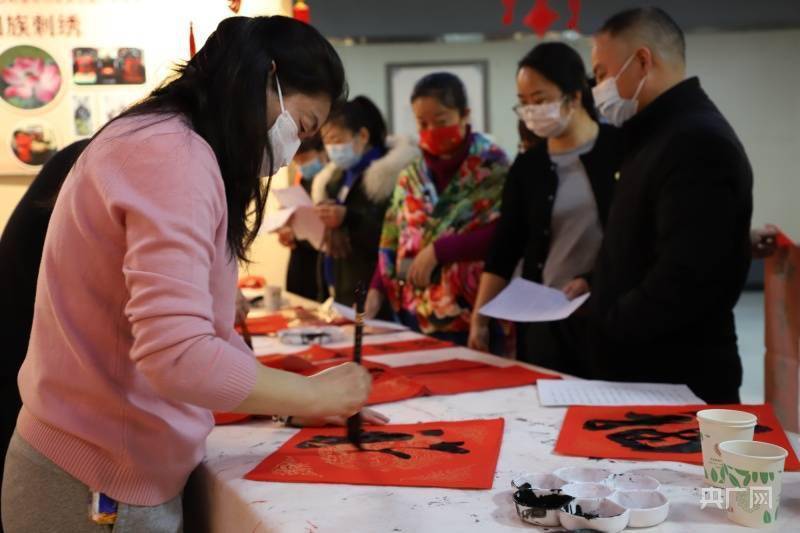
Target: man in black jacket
677, 249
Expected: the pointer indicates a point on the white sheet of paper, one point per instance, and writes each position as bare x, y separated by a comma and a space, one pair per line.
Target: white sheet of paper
277, 219
294, 196
526, 301
350, 314
560, 392
307, 226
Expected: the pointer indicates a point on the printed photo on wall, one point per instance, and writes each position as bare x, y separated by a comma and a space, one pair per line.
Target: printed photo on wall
108, 66
111, 105
82, 115
33, 142
29, 77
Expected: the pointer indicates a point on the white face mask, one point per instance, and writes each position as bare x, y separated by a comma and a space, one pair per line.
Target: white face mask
343, 155
545, 120
615, 109
283, 138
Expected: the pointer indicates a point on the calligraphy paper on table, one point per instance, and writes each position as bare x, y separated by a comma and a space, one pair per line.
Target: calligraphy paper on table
412, 345
387, 385
222, 419
654, 433
266, 325
457, 376
313, 354
592, 392
456, 455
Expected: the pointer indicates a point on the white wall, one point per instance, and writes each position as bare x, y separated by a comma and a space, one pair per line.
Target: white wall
752, 76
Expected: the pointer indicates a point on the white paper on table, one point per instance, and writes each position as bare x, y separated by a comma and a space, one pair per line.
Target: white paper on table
350, 314
560, 392
307, 226
294, 196
526, 301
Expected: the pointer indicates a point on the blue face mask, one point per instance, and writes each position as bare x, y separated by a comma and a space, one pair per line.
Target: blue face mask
343, 155
311, 169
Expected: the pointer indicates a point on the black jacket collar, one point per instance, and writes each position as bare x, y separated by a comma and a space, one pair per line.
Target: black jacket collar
684, 96
605, 145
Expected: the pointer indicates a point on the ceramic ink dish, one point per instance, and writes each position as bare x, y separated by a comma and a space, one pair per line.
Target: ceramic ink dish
538, 506
604, 515
578, 498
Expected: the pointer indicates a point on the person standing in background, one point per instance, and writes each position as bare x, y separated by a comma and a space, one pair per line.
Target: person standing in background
352, 192
303, 276
441, 218
555, 203
677, 244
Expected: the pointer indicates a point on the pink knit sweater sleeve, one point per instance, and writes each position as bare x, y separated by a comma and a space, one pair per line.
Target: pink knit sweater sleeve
171, 201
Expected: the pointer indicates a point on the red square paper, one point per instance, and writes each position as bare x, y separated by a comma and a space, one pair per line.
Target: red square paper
456, 376
655, 433
456, 455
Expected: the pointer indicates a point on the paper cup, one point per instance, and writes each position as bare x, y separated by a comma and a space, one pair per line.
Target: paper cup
720, 425
272, 298
753, 472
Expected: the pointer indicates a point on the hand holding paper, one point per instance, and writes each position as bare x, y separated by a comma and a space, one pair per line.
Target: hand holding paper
526, 301
297, 211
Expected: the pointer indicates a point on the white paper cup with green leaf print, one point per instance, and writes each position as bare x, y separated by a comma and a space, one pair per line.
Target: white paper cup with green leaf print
720, 425
753, 472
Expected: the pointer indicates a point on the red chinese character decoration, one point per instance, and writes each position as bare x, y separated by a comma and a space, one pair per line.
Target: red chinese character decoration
508, 13
302, 12
192, 45
575, 13
542, 16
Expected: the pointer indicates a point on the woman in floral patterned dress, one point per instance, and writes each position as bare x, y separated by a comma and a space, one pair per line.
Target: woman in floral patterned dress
441, 218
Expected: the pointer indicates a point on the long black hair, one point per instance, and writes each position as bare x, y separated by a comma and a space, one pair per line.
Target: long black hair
563, 66
361, 112
447, 88
222, 91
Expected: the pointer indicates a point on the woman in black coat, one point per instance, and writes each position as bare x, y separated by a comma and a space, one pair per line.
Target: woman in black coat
555, 203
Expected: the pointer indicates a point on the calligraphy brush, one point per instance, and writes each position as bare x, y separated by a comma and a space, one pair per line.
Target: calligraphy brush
354, 422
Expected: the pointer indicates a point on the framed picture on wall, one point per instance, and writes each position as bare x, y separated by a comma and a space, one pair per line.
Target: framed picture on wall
401, 78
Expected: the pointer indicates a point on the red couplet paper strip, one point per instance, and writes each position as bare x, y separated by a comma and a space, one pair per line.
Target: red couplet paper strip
456, 376
387, 385
413, 345
654, 433
221, 419
455, 455
266, 325
313, 354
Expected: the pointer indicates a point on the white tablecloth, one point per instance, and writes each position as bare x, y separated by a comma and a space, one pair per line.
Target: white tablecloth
219, 500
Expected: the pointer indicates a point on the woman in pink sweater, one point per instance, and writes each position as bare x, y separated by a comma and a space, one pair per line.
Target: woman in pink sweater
132, 342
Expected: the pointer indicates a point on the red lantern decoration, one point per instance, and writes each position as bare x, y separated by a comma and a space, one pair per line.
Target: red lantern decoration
192, 46
541, 17
508, 12
575, 13
302, 12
